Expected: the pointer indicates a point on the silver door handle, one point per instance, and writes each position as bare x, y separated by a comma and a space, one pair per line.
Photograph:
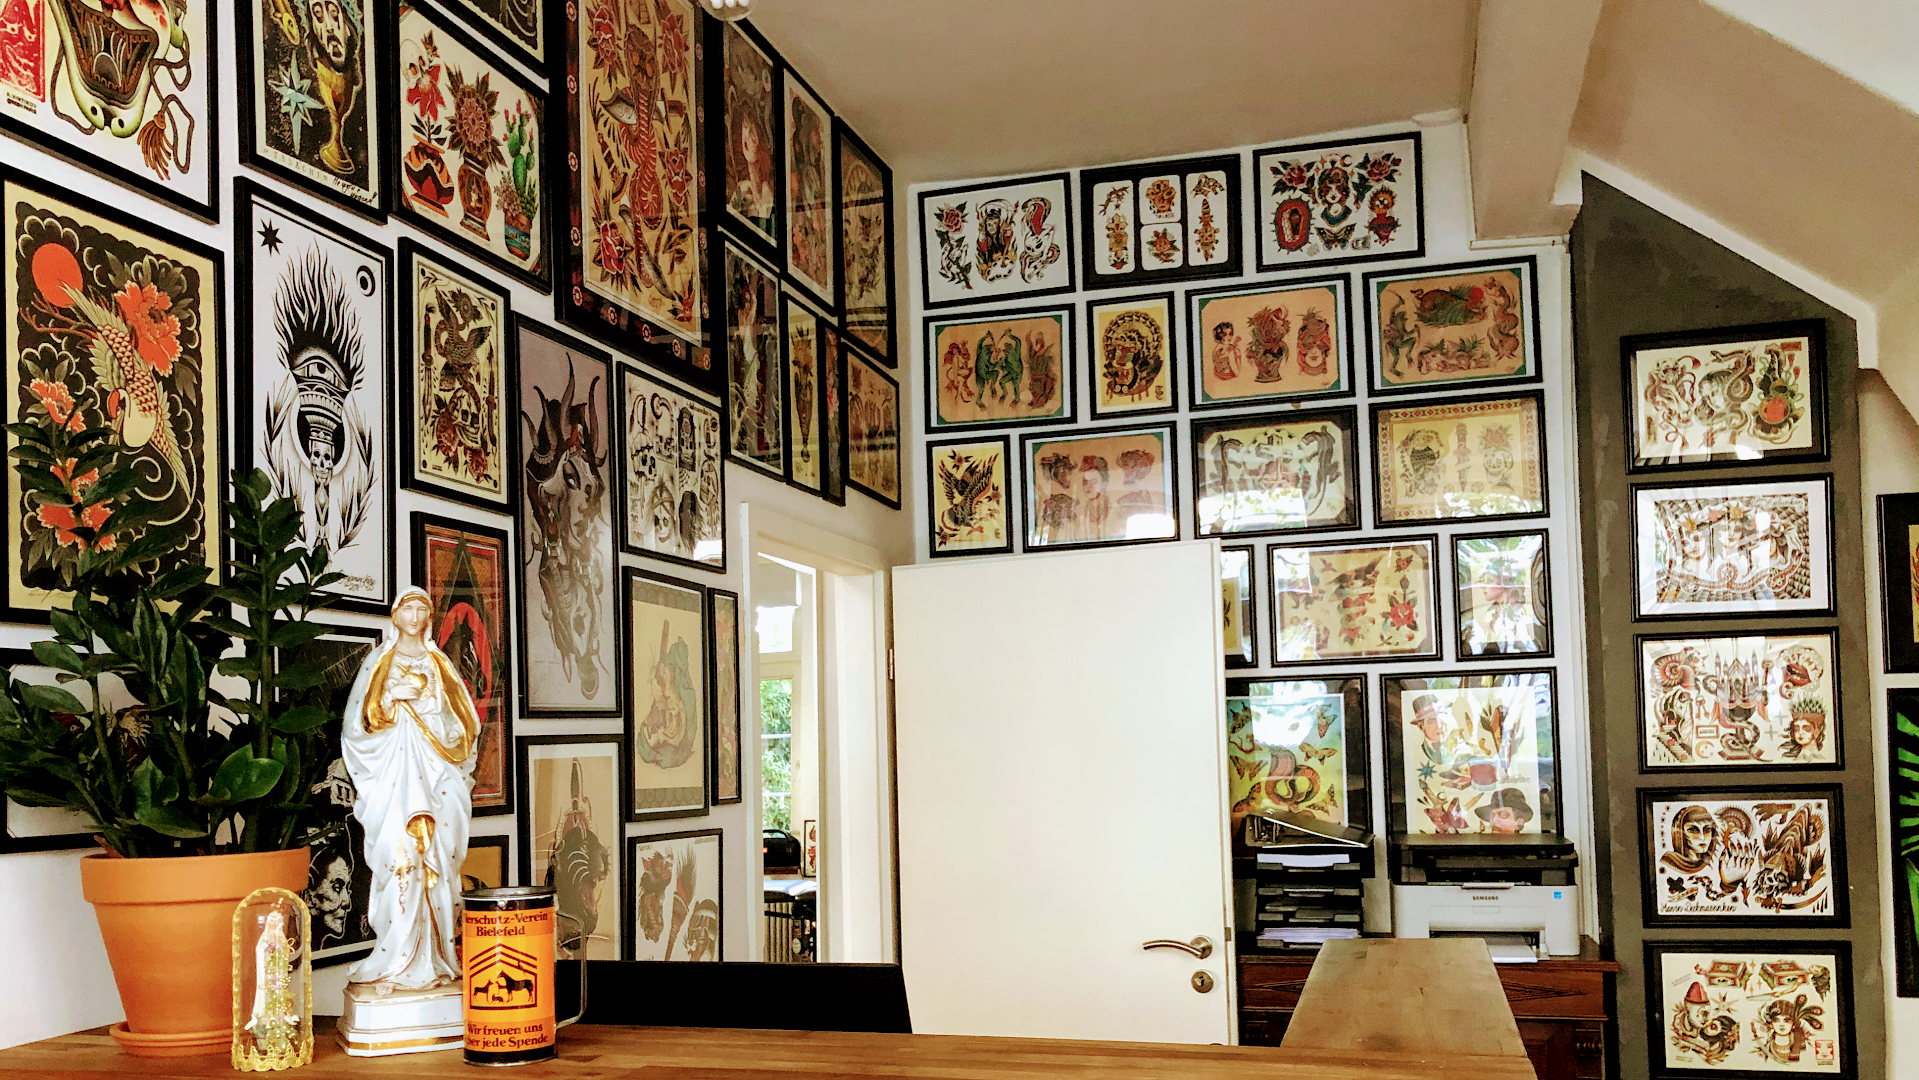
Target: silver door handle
1201, 947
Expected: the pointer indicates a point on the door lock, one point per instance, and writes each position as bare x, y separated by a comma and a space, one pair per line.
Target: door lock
1202, 982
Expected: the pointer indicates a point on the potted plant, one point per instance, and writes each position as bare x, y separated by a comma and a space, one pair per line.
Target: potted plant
199, 796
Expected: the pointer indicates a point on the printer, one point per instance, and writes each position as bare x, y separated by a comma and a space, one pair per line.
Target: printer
1516, 891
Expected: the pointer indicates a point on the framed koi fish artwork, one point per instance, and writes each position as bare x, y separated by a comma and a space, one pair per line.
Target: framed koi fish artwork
1467, 324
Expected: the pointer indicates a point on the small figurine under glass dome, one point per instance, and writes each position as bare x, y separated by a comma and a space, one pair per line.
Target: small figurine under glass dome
272, 982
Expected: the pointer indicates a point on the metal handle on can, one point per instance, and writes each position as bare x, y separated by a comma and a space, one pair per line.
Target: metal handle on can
579, 935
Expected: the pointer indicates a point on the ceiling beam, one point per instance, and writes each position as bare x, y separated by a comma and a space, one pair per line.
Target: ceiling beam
1528, 68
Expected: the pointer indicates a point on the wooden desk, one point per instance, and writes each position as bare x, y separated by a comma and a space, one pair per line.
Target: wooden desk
605, 1053
1399, 996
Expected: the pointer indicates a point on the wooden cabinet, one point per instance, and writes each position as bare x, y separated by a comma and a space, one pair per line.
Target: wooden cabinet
1562, 1006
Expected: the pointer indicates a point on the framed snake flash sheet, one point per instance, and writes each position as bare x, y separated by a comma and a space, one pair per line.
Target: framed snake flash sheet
1746, 393
1733, 550
1284, 472
1298, 747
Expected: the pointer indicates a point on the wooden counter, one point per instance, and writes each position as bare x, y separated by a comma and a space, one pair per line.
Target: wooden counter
1402, 995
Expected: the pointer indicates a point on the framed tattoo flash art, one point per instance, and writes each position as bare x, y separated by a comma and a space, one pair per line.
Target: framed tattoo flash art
872, 429
308, 89
1298, 747
516, 27
670, 465
996, 241
1099, 488
669, 672
676, 890
967, 512
866, 244
1340, 202
314, 315
751, 144
1899, 579
1439, 327
1161, 221
1502, 595
457, 439
570, 836
1740, 701
1757, 857
1472, 753
1459, 458
800, 341
486, 865
724, 611
570, 620
1733, 549
1289, 342
1293, 472
811, 206
1135, 368
1344, 603
123, 90
1902, 725
55, 828
1003, 369
755, 394
464, 569
109, 324
833, 416
1749, 1009
1237, 625
1747, 393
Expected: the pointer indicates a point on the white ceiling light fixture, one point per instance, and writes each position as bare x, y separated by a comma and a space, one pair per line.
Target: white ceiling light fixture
728, 10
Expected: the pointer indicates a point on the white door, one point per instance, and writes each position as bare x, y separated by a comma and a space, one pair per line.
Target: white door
1062, 795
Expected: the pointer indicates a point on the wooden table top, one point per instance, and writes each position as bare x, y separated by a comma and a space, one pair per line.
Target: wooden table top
1405, 995
606, 1053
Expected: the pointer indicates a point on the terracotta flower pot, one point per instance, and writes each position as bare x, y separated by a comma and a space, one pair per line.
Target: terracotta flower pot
168, 928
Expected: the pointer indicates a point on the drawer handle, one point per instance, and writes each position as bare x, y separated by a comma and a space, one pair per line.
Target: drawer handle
1201, 946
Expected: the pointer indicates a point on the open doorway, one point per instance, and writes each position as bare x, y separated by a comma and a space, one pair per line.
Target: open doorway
785, 647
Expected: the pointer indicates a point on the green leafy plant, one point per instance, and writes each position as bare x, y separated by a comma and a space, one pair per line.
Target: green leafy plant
165, 773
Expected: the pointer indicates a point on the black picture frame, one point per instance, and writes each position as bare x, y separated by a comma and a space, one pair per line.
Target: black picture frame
724, 352
609, 827
412, 253
1096, 359
714, 597
794, 281
1418, 251
622, 422
1651, 852
1066, 234
632, 650
1091, 279
631, 891
1902, 746
1380, 541
851, 355
503, 43
1392, 687
845, 139
1345, 418
1835, 722
1819, 573
1357, 747
379, 361
1813, 329
1169, 439
420, 522
1898, 531
930, 376
505, 845
1248, 656
1528, 268
833, 414
726, 222
9, 843
1345, 347
1540, 590
1004, 442
1839, 1006
790, 394
1380, 450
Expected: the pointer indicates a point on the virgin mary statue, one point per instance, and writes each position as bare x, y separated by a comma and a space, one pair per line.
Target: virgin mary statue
410, 741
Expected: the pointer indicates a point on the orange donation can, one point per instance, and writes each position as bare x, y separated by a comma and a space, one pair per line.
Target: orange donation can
507, 941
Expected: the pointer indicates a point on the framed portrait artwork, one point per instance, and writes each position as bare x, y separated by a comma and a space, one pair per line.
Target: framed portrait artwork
126, 92
570, 836
1745, 393
1733, 549
53, 828
1237, 624
723, 609
515, 27
996, 241
466, 140
872, 429
676, 889
670, 465
1502, 595
1709, 703
464, 568
1002, 369
800, 341
314, 313
1472, 753
1899, 579
832, 416
309, 88
1902, 728
756, 388
1099, 488
1772, 856
967, 512
458, 438
1347, 603
570, 622
1135, 368
1292, 472
752, 147
83, 283
1441, 327
1749, 1009
1298, 747
1479, 458
630, 209
811, 205
866, 244
486, 865
669, 671
1160, 221
1340, 202
1270, 342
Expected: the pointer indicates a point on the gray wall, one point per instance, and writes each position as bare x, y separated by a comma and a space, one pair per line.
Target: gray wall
1636, 271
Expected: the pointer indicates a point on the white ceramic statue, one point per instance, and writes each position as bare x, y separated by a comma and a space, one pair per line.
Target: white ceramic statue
410, 740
